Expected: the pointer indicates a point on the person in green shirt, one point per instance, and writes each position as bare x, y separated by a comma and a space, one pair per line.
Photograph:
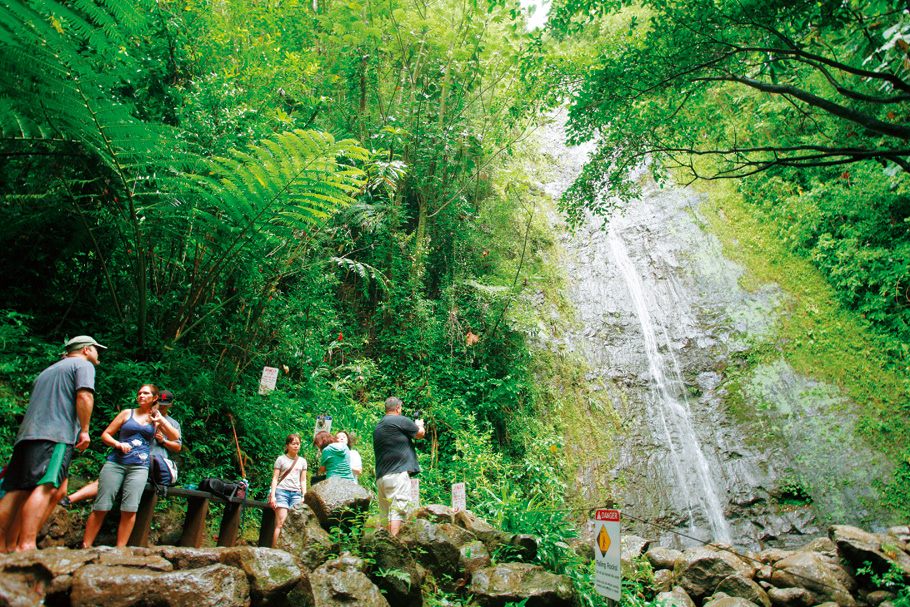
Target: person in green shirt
334, 460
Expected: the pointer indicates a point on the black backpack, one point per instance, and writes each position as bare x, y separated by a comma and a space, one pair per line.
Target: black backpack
162, 471
223, 489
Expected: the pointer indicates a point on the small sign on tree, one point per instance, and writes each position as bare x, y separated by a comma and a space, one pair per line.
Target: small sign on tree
268, 380
459, 498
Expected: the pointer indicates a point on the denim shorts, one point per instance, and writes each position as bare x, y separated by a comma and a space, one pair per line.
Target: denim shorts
287, 499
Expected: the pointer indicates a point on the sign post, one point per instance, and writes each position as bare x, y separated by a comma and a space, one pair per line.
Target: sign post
607, 577
415, 493
268, 379
459, 497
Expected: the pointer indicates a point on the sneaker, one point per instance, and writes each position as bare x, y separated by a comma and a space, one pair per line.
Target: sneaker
65, 502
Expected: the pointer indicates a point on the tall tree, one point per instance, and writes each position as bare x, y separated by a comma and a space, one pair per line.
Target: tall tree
750, 85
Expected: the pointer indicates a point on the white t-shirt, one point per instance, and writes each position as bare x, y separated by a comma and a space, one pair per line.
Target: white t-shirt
291, 481
355, 462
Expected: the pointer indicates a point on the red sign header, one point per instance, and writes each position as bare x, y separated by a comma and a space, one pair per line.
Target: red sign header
606, 515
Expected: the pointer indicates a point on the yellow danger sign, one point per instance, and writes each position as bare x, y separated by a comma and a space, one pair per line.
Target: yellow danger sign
607, 543
603, 540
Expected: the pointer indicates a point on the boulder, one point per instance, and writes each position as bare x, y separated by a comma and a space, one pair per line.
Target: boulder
812, 571
23, 589
189, 558
703, 568
901, 533
51, 569
674, 598
270, 572
54, 561
436, 513
791, 597
632, 546
336, 500
722, 600
393, 569
481, 529
438, 547
763, 574
133, 557
772, 555
474, 556
303, 536
738, 586
63, 528
822, 545
663, 580
515, 582
217, 585
858, 547
662, 558
341, 581
877, 597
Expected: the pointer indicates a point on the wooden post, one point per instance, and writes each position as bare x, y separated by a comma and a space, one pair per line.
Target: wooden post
230, 523
140, 534
197, 508
267, 529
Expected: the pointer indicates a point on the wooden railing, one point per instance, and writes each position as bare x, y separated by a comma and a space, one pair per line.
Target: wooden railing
197, 510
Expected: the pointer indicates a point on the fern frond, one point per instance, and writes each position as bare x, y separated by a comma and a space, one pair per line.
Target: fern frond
367, 272
292, 179
56, 92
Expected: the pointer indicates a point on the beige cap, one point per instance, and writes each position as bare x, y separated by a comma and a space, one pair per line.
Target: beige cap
82, 341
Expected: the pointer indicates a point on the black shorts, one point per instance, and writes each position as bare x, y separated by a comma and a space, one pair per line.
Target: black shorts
37, 462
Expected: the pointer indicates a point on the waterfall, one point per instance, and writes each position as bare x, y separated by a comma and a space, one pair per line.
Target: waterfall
658, 321
670, 412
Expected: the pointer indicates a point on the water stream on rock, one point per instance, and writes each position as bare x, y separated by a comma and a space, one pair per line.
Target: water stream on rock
669, 412
659, 318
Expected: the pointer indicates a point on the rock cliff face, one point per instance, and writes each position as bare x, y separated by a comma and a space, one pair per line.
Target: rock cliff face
660, 317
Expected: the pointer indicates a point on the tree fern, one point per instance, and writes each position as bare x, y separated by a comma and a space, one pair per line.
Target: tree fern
273, 190
366, 272
56, 91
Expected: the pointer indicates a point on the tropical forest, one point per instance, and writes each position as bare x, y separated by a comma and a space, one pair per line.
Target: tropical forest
646, 256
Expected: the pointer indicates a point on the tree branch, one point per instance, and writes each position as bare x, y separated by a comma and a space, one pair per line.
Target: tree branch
836, 109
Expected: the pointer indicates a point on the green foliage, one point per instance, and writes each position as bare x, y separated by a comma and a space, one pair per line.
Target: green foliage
747, 85
791, 490
855, 227
182, 181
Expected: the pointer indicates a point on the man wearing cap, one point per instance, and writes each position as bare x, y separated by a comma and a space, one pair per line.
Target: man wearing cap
162, 444
56, 422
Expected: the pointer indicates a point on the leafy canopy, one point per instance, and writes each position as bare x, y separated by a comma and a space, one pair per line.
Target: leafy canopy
747, 85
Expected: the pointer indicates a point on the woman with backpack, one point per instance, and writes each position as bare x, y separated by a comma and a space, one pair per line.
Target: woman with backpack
288, 482
127, 467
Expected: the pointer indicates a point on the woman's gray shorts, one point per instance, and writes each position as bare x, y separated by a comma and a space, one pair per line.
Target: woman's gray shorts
115, 476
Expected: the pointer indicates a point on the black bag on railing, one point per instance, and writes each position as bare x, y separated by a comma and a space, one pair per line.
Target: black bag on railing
224, 489
162, 471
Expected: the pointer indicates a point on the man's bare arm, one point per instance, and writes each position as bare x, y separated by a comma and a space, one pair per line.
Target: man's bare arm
85, 402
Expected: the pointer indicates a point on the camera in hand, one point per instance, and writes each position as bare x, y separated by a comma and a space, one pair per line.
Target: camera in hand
417, 414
